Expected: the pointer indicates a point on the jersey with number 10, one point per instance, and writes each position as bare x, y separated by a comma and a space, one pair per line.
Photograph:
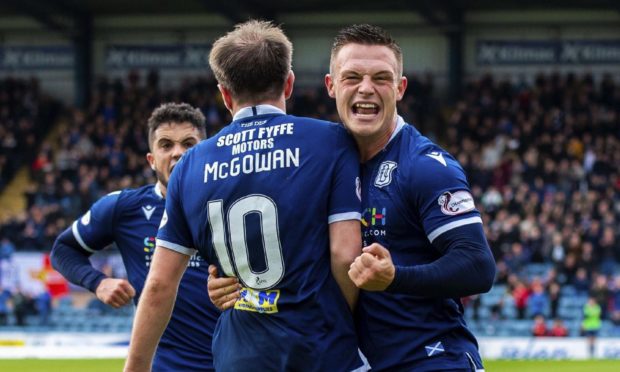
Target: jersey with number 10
257, 199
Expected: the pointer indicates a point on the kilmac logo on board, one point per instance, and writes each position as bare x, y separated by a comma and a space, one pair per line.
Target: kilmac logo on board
384, 175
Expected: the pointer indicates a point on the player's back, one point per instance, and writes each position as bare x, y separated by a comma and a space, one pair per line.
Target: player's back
257, 198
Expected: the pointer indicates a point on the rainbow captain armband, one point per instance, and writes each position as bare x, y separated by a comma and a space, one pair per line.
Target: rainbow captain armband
259, 301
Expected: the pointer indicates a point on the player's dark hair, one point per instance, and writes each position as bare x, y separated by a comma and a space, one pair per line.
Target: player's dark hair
176, 113
366, 34
252, 61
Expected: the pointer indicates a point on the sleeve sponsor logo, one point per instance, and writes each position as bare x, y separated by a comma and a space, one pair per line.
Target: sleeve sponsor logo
265, 302
457, 203
86, 218
384, 175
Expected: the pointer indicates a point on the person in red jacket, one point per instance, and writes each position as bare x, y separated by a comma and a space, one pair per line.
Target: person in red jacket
558, 329
540, 326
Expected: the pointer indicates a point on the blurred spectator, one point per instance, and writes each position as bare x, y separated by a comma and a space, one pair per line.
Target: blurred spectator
538, 301
521, 294
581, 283
23, 305
539, 329
555, 293
5, 296
601, 293
558, 329
43, 307
7, 248
615, 302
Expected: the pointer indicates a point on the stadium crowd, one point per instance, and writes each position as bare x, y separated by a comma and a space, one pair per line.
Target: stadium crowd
541, 158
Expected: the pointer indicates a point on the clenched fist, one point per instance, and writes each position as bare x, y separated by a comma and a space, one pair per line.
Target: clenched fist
115, 292
373, 270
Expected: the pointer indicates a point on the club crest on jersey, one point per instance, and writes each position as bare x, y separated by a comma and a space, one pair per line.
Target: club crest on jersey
384, 175
457, 203
148, 211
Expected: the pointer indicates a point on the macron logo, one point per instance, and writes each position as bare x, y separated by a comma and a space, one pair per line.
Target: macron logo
148, 211
438, 156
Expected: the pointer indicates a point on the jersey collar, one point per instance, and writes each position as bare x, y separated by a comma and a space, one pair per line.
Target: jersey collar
400, 123
250, 111
157, 191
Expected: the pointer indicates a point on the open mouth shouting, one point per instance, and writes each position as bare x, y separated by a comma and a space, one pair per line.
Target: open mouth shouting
365, 108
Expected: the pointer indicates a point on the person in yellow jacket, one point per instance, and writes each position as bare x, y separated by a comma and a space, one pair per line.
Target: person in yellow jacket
591, 323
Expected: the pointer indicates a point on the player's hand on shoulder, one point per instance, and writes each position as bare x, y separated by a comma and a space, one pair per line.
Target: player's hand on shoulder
115, 292
373, 270
223, 292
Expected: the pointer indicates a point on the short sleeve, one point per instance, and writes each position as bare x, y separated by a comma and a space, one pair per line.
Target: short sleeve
345, 195
174, 232
95, 229
441, 193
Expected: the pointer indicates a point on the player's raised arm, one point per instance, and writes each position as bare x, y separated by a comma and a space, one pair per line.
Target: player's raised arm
155, 307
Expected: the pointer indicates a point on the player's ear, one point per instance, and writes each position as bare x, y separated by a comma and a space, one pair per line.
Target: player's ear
288, 84
226, 96
402, 86
329, 84
151, 159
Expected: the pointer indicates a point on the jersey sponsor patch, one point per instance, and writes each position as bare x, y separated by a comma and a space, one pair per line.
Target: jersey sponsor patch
86, 218
457, 203
265, 302
384, 175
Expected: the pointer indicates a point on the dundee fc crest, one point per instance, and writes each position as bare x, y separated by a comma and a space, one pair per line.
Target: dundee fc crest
384, 176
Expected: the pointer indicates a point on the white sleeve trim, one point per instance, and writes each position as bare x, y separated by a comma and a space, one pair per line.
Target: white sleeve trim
452, 225
175, 247
344, 217
78, 237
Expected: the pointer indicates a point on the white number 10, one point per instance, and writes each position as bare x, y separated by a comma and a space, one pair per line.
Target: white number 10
268, 214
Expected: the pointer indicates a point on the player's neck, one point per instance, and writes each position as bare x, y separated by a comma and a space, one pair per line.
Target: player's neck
162, 188
370, 146
279, 103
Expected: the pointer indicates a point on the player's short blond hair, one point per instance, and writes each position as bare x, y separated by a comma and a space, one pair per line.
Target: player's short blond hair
252, 61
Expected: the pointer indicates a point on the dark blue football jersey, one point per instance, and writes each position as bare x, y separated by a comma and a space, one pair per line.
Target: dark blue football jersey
257, 199
412, 192
130, 219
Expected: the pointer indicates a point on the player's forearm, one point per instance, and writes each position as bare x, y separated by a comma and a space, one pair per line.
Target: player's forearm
466, 268
152, 316
348, 288
69, 259
345, 246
